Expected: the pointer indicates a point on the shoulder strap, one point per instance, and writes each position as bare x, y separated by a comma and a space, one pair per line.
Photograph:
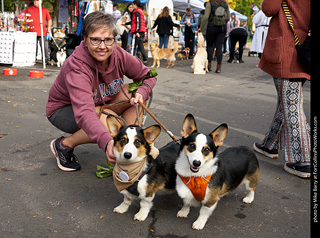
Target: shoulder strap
289, 18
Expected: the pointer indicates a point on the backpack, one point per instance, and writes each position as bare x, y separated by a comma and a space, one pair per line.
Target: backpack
220, 16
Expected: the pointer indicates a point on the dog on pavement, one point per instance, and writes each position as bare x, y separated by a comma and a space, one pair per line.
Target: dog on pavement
158, 54
200, 60
203, 177
58, 56
61, 56
141, 170
184, 54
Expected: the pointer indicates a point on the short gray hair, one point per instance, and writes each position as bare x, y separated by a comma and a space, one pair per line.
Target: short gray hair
96, 20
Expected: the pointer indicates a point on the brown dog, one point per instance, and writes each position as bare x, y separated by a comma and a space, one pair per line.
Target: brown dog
158, 54
184, 54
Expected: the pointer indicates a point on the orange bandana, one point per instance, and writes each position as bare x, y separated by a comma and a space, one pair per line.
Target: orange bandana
197, 185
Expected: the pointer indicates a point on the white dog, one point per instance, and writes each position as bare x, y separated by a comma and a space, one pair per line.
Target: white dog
200, 61
61, 57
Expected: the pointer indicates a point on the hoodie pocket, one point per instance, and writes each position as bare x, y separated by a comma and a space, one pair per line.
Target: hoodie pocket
273, 50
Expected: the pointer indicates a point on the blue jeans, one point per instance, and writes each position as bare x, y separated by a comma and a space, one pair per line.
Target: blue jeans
164, 39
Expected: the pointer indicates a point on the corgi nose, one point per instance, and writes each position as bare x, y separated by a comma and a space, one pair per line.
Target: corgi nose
196, 163
127, 155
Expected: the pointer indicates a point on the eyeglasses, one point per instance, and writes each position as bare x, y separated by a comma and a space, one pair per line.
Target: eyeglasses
97, 41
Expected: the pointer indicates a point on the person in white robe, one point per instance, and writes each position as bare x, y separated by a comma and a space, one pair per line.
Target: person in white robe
260, 34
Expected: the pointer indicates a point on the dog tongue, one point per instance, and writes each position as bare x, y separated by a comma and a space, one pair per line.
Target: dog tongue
194, 169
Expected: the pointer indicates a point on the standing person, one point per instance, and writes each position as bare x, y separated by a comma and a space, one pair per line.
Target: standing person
260, 34
289, 128
165, 25
116, 13
127, 17
91, 77
216, 16
35, 26
237, 34
234, 22
138, 28
190, 27
200, 19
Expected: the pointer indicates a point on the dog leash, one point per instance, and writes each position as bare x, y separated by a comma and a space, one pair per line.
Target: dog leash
156, 119
144, 107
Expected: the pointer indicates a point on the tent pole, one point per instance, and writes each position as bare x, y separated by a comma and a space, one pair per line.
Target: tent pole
42, 38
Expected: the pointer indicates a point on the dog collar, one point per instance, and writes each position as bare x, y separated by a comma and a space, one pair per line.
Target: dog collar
197, 185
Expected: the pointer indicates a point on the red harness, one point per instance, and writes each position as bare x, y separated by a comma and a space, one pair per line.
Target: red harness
197, 185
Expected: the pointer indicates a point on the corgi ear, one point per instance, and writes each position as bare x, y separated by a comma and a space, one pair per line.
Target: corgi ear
219, 134
151, 133
189, 126
114, 125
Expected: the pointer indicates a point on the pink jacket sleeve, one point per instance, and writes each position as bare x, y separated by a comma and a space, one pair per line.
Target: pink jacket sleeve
81, 96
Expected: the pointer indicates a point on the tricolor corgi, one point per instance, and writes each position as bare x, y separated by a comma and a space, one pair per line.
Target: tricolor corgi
203, 176
137, 174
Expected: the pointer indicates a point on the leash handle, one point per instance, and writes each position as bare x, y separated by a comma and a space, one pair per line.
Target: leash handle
156, 119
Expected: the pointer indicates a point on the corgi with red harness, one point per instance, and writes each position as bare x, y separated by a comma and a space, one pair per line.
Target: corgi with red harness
203, 176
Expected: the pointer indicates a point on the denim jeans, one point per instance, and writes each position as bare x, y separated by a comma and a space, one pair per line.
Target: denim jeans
164, 39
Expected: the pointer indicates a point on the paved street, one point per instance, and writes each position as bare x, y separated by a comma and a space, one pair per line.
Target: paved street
39, 200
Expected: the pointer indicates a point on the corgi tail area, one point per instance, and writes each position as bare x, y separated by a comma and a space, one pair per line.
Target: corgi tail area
241, 162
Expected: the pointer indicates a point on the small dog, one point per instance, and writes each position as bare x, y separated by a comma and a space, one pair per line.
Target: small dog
204, 177
59, 33
61, 56
135, 158
158, 54
184, 54
200, 60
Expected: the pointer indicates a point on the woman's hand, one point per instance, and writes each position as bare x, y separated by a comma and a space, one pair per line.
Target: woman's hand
137, 98
109, 152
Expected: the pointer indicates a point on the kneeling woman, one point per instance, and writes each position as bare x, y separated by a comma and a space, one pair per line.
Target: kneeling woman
91, 77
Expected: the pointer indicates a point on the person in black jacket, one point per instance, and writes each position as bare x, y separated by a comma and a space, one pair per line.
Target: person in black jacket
216, 30
165, 25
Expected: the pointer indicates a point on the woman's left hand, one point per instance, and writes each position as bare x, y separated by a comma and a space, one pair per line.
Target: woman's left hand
137, 98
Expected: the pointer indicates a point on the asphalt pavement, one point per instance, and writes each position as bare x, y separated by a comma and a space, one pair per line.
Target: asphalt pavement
39, 200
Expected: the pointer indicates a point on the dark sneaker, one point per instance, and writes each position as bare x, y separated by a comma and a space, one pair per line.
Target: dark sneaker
273, 154
66, 160
298, 169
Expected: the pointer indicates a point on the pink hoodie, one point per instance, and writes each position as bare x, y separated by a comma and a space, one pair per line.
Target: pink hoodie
83, 84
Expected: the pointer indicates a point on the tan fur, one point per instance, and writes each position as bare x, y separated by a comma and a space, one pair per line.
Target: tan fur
218, 135
188, 126
253, 179
158, 54
153, 187
200, 61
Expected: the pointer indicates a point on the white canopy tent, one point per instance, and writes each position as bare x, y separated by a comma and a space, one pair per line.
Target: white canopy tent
181, 5
197, 6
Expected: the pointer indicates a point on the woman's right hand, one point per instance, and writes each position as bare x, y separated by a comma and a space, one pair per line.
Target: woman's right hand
109, 152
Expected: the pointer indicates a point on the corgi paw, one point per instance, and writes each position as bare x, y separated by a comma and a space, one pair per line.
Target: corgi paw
198, 225
121, 209
141, 216
183, 213
249, 198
